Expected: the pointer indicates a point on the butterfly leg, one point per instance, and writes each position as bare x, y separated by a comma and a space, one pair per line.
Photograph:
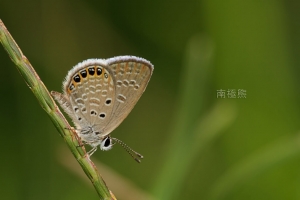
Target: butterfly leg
90, 153
82, 144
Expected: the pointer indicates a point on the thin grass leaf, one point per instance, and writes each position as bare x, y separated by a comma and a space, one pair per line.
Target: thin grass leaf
191, 135
270, 156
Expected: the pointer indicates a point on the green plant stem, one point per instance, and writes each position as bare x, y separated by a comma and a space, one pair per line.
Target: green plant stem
44, 98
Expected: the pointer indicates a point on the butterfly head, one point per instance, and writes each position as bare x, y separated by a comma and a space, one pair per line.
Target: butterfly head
106, 143
98, 94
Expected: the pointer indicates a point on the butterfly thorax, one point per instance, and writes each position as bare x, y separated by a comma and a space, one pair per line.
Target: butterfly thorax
91, 136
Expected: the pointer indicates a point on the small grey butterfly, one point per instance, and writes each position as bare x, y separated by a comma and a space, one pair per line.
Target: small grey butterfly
98, 94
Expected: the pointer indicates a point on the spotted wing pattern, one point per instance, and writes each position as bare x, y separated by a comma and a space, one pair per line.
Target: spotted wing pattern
131, 76
91, 93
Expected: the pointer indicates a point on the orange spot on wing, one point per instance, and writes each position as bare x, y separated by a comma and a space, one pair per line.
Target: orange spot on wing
118, 68
126, 67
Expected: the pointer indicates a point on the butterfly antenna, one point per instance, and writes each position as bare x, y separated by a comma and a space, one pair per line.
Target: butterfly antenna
135, 155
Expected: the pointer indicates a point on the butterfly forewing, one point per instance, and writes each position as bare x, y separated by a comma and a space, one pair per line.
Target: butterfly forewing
131, 76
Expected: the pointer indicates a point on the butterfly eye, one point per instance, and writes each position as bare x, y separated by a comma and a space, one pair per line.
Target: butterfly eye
106, 144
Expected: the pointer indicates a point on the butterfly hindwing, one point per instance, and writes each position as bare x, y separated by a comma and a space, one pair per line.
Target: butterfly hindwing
91, 94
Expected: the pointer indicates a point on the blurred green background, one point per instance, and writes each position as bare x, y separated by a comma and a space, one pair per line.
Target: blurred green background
195, 145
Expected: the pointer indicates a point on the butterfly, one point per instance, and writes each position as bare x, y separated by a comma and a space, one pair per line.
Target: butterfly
98, 94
